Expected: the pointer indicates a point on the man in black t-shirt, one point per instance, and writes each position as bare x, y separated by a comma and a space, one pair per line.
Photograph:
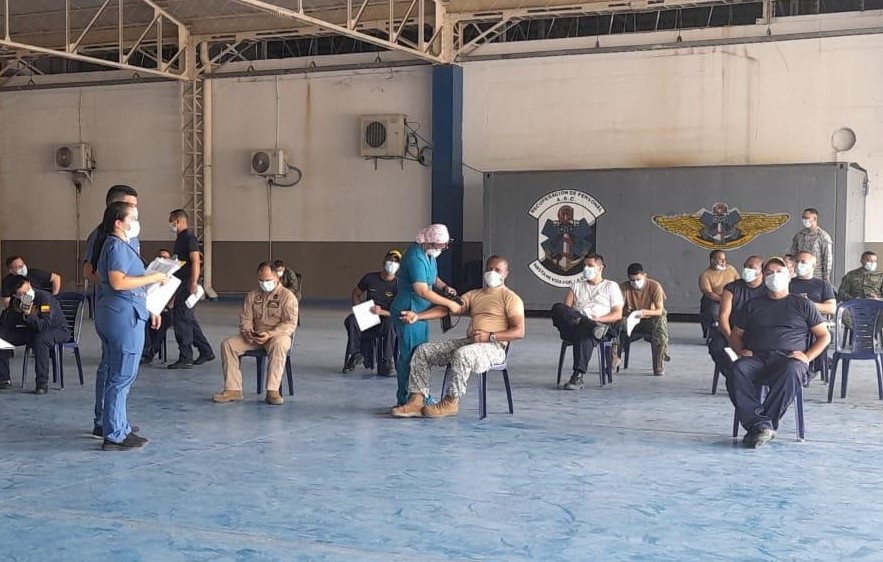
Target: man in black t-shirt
39, 279
188, 333
770, 334
381, 287
818, 291
735, 296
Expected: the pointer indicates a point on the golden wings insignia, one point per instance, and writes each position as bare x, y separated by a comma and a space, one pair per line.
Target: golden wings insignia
721, 229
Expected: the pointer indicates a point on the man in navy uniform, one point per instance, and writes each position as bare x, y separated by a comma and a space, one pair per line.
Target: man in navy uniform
188, 333
770, 333
34, 317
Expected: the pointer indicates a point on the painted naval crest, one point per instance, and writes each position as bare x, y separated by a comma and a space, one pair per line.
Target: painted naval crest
721, 228
565, 234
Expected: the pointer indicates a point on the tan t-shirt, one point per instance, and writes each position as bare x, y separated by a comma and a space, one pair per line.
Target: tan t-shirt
651, 297
491, 309
715, 281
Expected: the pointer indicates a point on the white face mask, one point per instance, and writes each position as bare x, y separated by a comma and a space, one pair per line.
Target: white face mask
173, 226
803, 269
492, 279
23, 271
31, 294
777, 282
806, 223
720, 267
134, 229
280, 272
590, 273
749, 274
869, 266
390, 267
637, 283
434, 253
267, 286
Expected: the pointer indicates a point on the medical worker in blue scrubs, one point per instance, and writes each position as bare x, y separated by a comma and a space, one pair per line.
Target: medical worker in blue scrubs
126, 194
120, 315
418, 274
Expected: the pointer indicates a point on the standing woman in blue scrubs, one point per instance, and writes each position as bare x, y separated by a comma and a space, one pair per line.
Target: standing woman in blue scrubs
418, 274
120, 315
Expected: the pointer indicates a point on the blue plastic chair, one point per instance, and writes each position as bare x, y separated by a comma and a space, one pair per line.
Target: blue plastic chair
73, 306
605, 372
482, 386
261, 367
859, 343
626, 346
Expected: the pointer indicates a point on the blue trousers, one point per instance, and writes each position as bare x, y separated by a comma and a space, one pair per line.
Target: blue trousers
779, 373
122, 339
100, 383
410, 336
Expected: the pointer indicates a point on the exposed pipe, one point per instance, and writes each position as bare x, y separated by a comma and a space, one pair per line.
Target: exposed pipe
207, 162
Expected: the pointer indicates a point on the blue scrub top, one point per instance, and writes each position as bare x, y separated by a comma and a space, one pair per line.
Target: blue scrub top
117, 255
90, 248
416, 267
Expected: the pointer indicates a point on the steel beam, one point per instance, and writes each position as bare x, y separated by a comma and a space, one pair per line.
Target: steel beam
339, 29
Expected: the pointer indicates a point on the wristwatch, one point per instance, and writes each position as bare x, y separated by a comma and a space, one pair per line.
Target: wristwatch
492, 338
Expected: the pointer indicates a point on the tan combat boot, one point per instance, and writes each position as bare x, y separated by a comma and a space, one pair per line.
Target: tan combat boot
273, 397
659, 357
412, 409
227, 396
448, 406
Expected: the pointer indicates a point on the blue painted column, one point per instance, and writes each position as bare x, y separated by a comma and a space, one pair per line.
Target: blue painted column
447, 165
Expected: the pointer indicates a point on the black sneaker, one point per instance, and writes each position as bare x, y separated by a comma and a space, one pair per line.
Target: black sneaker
758, 437
42, 389
350, 364
204, 358
5, 384
98, 431
131, 442
181, 364
387, 369
575, 382
146, 360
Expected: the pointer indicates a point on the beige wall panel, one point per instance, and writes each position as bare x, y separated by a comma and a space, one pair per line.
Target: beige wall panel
342, 196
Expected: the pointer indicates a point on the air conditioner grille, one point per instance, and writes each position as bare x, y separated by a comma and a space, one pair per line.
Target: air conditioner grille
260, 162
64, 156
375, 134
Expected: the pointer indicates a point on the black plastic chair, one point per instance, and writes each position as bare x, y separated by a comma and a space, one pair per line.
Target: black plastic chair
482, 385
798, 413
626, 346
73, 307
860, 343
605, 372
260, 356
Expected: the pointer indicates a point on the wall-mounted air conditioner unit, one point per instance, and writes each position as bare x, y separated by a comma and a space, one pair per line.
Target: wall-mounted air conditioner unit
74, 157
382, 136
269, 162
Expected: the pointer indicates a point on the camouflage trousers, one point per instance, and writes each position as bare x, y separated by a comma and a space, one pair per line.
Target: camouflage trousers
656, 326
464, 356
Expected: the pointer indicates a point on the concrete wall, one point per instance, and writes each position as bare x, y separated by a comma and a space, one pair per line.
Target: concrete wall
740, 104
764, 103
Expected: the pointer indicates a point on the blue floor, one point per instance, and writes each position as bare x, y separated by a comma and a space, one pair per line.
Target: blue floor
643, 470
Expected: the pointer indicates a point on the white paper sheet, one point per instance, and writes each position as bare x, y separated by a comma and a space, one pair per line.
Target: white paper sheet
195, 297
633, 320
364, 317
163, 265
5, 344
731, 354
158, 296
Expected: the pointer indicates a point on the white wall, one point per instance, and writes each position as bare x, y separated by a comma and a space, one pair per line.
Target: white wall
135, 134
759, 103
342, 197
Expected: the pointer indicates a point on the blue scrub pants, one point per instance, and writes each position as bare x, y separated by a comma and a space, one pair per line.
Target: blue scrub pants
100, 383
410, 336
122, 337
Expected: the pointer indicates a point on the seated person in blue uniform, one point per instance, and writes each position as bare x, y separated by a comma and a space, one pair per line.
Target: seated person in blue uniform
35, 318
818, 291
381, 287
154, 338
39, 279
770, 335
